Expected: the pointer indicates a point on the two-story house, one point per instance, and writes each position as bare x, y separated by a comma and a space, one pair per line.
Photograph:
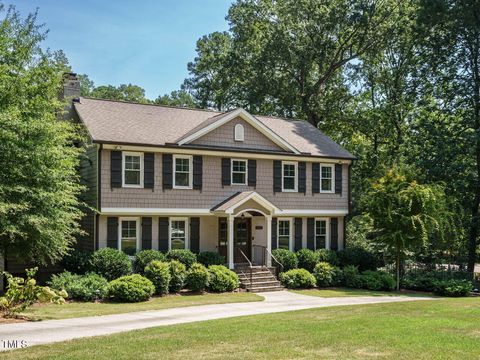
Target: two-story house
233, 182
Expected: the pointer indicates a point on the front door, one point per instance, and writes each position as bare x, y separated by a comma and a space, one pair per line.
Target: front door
242, 239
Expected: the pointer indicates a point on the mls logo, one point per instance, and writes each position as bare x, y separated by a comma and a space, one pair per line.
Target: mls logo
14, 344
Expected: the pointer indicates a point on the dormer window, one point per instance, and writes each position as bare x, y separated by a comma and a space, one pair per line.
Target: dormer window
239, 132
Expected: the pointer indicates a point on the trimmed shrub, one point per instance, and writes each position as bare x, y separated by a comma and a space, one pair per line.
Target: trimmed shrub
186, 257
337, 277
131, 288
376, 280
327, 255
297, 278
77, 262
307, 259
159, 274
178, 271
197, 278
453, 288
88, 287
144, 257
287, 258
359, 257
111, 263
350, 276
323, 273
208, 258
221, 279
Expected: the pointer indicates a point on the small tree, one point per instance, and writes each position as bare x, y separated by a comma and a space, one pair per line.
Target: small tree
405, 213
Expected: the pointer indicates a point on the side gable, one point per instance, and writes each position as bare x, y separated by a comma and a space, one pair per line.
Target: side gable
224, 136
262, 135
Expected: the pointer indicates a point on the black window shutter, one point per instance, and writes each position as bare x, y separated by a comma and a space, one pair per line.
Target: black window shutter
149, 170
252, 172
146, 233
226, 171
311, 233
274, 233
315, 178
302, 177
277, 176
338, 178
195, 234
298, 234
197, 172
167, 166
163, 234
115, 169
112, 232
334, 233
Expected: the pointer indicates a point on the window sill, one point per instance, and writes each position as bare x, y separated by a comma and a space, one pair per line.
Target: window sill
132, 186
182, 187
289, 191
326, 192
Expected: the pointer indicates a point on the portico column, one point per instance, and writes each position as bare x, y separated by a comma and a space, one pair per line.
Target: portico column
269, 240
231, 264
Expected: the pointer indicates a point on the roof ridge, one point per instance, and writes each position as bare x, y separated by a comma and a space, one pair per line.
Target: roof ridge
154, 105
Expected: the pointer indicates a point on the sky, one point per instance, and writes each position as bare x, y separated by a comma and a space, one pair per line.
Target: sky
144, 42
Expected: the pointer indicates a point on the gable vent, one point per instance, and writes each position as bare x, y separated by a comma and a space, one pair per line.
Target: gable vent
239, 132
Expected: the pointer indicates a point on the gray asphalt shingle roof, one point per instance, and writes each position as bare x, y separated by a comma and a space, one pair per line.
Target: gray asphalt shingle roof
131, 123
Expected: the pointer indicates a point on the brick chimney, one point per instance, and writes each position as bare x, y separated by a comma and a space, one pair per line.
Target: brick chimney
71, 93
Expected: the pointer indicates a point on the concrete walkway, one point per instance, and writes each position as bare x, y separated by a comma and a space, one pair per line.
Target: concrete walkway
49, 331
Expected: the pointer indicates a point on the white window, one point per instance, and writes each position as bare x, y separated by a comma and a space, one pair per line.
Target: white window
182, 168
322, 236
239, 132
326, 178
284, 234
178, 238
132, 175
129, 239
289, 176
239, 172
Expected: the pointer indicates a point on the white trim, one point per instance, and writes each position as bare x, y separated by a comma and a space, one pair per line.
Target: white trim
190, 171
309, 212
327, 232
332, 167
290, 235
224, 153
154, 211
131, 153
119, 241
258, 198
296, 176
231, 171
248, 118
187, 232
239, 132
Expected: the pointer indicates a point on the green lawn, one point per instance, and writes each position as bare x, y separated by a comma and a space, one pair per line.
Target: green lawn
344, 292
80, 309
437, 329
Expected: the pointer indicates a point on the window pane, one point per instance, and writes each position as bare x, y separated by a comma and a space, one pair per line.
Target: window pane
283, 242
239, 166
326, 184
129, 246
320, 234
132, 162
289, 183
326, 172
182, 179
238, 178
177, 235
289, 170
132, 177
128, 243
178, 243
182, 165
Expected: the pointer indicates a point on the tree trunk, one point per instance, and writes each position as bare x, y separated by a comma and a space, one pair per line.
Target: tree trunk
398, 268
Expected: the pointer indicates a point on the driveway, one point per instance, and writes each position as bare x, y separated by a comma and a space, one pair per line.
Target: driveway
42, 332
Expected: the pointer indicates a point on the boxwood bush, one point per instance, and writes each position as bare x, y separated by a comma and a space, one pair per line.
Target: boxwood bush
327, 255
307, 259
111, 263
88, 287
158, 273
297, 278
77, 262
208, 258
221, 279
197, 278
453, 287
323, 273
186, 257
286, 257
178, 272
131, 288
144, 257
359, 257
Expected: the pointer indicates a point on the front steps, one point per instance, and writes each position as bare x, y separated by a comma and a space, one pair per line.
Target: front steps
262, 279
